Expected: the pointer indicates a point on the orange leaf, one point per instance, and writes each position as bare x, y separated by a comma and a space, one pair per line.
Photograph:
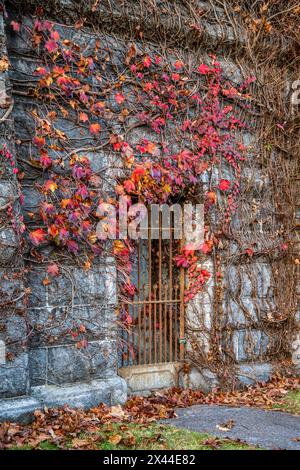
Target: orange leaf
50, 186
37, 236
115, 439
95, 128
83, 117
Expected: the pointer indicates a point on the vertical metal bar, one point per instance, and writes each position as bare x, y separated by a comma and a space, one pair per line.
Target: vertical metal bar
155, 323
132, 348
122, 338
176, 324
139, 307
171, 287
160, 288
145, 326
182, 286
165, 322
150, 287
128, 339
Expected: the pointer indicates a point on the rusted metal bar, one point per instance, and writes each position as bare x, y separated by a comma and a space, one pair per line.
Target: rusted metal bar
165, 323
176, 328
155, 324
171, 288
181, 313
149, 287
132, 333
160, 287
139, 308
145, 327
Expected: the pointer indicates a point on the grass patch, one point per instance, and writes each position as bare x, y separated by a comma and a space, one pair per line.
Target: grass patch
161, 437
120, 436
290, 403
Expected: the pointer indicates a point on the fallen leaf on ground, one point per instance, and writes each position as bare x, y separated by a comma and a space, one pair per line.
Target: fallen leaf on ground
115, 439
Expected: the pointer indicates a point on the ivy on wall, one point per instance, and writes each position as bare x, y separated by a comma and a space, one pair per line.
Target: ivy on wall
190, 112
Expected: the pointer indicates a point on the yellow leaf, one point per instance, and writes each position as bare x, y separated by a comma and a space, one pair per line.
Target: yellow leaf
4, 64
115, 439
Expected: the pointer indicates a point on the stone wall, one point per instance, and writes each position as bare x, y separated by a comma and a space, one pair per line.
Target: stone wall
14, 379
44, 364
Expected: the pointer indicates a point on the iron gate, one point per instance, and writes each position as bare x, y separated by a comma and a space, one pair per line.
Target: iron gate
156, 331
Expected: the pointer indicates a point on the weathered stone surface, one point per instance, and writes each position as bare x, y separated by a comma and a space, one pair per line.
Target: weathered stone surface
9, 245
74, 286
6, 192
111, 391
204, 380
19, 409
249, 344
66, 364
250, 373
247, 279
14, 377
142, 379
55, 325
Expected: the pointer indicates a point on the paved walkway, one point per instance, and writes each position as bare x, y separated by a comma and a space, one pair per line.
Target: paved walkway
266, 429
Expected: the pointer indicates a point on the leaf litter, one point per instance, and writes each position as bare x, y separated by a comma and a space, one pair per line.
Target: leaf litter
65, 427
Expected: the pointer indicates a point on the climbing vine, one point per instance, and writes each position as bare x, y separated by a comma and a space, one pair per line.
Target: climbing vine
189, 112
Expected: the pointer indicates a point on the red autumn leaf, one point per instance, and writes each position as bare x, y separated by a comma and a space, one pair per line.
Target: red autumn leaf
129, 186
206, 247
178, 64
95, 128
204, 69
53, 231
205, 273
147, 61
45, 160
138, 172
39, 141
224, 185
53, 269
37, 236
15, 26
181, 260
51, 46
47, 25
55, 35
41, 71
175, 77
119, 98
